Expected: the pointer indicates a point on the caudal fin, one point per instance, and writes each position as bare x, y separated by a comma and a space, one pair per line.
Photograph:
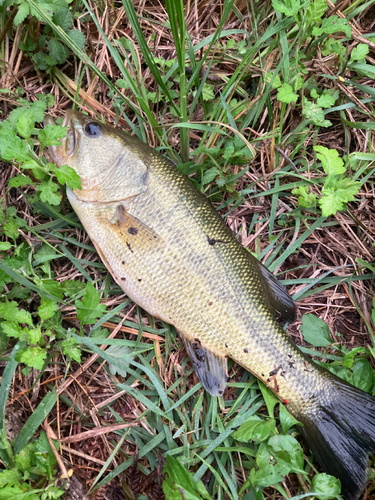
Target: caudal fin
341, 434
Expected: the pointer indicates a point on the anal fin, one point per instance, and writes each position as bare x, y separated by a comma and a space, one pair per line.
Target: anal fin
209, 368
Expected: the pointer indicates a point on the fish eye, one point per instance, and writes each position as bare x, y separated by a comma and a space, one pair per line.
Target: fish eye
93, 129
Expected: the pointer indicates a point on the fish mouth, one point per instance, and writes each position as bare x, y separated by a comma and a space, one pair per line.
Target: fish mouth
69, 143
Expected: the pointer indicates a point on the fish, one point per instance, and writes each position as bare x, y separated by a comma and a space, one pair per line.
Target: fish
171, 253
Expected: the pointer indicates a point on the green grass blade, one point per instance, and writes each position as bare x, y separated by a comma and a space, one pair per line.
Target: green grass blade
35, 420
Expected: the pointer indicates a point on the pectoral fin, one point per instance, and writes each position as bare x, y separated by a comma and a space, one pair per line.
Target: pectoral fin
209, 368
277, 297
136, 235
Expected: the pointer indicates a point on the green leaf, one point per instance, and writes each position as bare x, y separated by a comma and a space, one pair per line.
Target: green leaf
50, 135
57, 51
42, 61
269, 398
5, 245
17, 493
332, 24
47, 308
33, 357
359, 52
349, 358
45, 458
326, 101
34, 335
11, 228
51, 286
287, 7
288, 449
335, 198
10, 311
179, 483
77, 37
332, 163
26, 124
24, 458
313, 112
360, 375
316, 10
38, 108
72, 287
22, 12
306, 199
210, 175
315, 331
287, 420
332, 46
256, 430
20, 180
10, 477
122, 352
49, 192
285, 94
89, 308
67, 175
69, 349
63, 19
12, 329
270, 470
208, 93
325, 487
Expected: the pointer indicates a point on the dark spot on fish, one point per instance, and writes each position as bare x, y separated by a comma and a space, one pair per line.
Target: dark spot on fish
197, 340
123, 262
123, 279
210, 303
128, 245
220, 392
274, 372
212, 241
226, 346
245, 350
263, 375
289, 355
139, 279
291, 364
133, 230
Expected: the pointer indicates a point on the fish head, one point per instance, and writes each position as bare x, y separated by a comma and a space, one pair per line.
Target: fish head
111, 164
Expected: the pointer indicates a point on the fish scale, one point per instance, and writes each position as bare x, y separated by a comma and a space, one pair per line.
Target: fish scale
168, 249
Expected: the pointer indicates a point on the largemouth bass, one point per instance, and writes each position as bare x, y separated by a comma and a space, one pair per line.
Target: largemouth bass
171, 253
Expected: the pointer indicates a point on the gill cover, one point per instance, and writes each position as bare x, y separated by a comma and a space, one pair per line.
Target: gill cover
112, 164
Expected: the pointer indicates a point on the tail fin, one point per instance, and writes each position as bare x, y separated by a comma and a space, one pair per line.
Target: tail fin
341, 434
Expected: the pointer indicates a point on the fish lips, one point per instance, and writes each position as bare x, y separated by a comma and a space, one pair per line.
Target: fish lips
69, 143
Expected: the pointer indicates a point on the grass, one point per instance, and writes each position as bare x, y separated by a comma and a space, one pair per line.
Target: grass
249, 100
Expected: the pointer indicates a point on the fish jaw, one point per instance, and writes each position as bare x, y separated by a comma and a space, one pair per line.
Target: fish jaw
61, 154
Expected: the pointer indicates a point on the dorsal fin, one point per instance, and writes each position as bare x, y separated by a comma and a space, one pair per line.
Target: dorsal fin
278, 298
